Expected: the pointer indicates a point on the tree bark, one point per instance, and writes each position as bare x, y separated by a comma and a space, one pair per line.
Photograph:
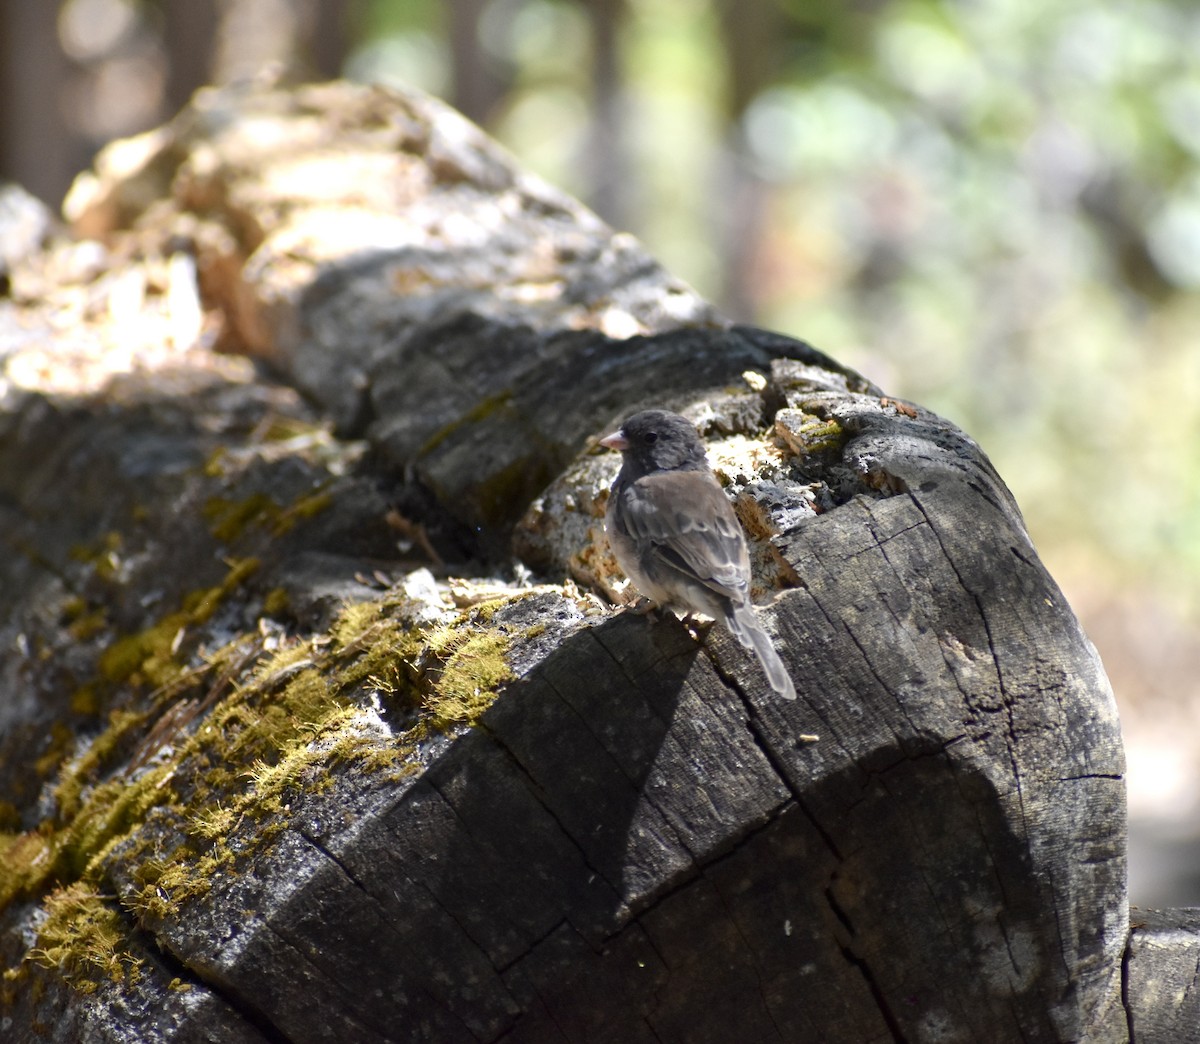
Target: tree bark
300, 752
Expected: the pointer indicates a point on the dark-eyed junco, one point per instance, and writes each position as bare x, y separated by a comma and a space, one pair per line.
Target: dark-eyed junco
674, 532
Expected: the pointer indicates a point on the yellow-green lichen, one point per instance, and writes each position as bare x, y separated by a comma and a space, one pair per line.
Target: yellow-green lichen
228, 520
92, 817
83, 620
86, 700
304, 508
83, 937
813, 435
88, 625
481, 411
215, 465
84, 770
61, 738
276, 603
25, 862
149, 655
475, 668
104, 556
10, 817
275, 725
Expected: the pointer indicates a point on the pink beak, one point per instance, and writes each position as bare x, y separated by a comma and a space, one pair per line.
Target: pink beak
615, 441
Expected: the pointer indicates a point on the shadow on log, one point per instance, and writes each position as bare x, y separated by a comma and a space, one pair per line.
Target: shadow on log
300, 751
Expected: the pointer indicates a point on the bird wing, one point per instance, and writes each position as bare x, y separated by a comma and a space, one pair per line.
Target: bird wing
692, 528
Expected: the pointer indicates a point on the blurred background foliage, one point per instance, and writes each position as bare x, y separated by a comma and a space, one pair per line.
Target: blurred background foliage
991, 207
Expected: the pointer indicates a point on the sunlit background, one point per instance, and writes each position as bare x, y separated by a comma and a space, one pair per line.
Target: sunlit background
988, 206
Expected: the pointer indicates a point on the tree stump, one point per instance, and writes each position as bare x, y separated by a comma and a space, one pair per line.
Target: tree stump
323, 726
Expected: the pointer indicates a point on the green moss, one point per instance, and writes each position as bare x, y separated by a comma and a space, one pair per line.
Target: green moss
481, 411
226, 785
149, 656
483, 612
103, 556
82, 619
214, 466
353, 622
240, 570
229, 519
93, 761
93, 817
373, 647
112, 812
282, 428
61, 739
474, 670
213, 823
25, 862
304, 508
84, 938
301, 713
88, 625
277, 603
86, 699
821, 436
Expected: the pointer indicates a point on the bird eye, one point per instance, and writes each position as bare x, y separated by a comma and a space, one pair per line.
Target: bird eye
652, 436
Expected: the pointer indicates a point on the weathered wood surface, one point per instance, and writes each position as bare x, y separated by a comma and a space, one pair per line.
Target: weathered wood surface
302, 822
1163, 975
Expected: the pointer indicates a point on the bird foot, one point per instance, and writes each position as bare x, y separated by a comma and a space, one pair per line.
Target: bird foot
643, 606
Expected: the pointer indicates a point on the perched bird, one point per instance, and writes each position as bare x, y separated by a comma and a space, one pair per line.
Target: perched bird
674, 532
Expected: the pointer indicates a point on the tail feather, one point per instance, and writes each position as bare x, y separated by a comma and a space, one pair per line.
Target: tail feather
744, 626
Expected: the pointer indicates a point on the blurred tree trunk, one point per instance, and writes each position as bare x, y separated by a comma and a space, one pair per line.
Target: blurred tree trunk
750, 36
607, 171
330, 37
205, 41
480, 78
218, 41
36, 150
189, 36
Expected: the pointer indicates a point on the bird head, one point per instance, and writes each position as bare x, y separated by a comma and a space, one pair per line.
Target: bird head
655, 440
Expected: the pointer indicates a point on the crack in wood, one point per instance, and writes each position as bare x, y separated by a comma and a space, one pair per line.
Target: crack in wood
1126, 1003
885, 1011
535, 791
